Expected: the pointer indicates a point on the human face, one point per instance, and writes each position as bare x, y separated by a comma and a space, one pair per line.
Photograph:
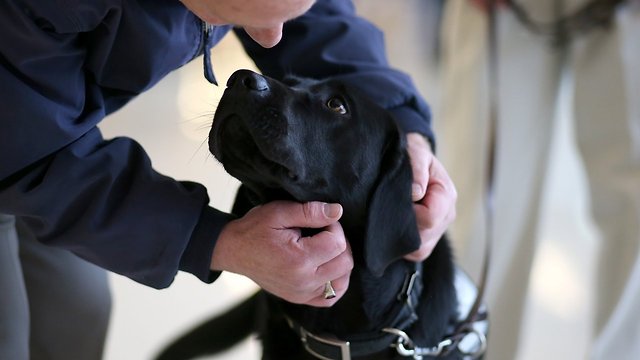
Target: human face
261, 19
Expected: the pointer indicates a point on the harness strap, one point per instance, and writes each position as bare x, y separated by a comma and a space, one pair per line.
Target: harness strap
475, 314
469, 342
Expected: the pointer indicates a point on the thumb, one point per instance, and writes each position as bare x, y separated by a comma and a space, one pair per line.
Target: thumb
313, 214
420, 157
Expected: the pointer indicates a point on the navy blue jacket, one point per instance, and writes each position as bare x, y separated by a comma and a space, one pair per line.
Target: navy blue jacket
66, 64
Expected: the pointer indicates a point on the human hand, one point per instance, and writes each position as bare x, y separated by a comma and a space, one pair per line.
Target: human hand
266, 245
434, 195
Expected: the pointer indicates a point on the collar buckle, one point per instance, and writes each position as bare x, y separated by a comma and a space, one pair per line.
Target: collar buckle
322, 347
409, 286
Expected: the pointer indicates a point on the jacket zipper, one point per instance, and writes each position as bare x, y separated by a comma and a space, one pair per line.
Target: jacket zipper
205, 48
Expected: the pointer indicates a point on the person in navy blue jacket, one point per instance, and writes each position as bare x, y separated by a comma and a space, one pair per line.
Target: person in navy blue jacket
65, 65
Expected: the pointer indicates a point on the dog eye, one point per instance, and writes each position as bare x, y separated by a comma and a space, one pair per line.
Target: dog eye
337, 104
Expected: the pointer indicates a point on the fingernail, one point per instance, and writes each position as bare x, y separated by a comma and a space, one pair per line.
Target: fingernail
416, 191
332, 210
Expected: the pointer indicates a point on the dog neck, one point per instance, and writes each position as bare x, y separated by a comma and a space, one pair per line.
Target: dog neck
357, 340
370, 299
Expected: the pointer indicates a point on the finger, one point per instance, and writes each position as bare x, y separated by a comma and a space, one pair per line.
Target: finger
429, 235
340, 286
435, 206
336, 266
435, 212
431, 230
440, 197
420, 157
313, 214
325, 246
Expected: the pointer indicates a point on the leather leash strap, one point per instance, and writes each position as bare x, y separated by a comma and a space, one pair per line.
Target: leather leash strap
492, 134
475, 312
599, 12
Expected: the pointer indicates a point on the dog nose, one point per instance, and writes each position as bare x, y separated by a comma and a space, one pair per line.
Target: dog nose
249, 80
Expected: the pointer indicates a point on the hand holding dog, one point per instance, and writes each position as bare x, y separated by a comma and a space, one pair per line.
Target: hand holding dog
267, 246
434, 195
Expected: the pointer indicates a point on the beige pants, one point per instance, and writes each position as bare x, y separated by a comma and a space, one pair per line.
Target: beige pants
605, 75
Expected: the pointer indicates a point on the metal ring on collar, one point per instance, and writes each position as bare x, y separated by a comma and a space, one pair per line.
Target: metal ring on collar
406, 347
480, 347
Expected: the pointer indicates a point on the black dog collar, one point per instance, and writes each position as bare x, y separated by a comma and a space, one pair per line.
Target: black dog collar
329, 347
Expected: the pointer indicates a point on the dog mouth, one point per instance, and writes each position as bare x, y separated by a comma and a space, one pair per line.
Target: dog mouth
259, 148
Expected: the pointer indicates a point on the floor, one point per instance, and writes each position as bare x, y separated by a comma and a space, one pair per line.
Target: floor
171, 121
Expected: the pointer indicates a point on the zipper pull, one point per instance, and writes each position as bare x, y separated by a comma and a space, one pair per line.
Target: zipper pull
208, 68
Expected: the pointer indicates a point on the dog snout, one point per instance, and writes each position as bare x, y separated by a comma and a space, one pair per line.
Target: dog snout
249, 80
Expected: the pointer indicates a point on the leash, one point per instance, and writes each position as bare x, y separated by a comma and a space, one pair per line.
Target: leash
492, 61
476, 312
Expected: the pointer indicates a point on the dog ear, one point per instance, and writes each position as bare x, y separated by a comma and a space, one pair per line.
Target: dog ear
392, 231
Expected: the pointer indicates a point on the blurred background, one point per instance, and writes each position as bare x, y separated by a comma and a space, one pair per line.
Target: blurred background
172, 122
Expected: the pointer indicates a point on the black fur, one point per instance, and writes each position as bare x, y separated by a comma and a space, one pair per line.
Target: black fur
283, 140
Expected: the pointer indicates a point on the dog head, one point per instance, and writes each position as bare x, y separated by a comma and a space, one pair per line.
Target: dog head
308, 140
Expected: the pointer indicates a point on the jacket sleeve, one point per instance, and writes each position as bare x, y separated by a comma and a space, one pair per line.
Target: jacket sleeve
330, 40
100, 199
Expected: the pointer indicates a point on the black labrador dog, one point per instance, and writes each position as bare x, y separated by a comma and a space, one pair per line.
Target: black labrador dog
308, 140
